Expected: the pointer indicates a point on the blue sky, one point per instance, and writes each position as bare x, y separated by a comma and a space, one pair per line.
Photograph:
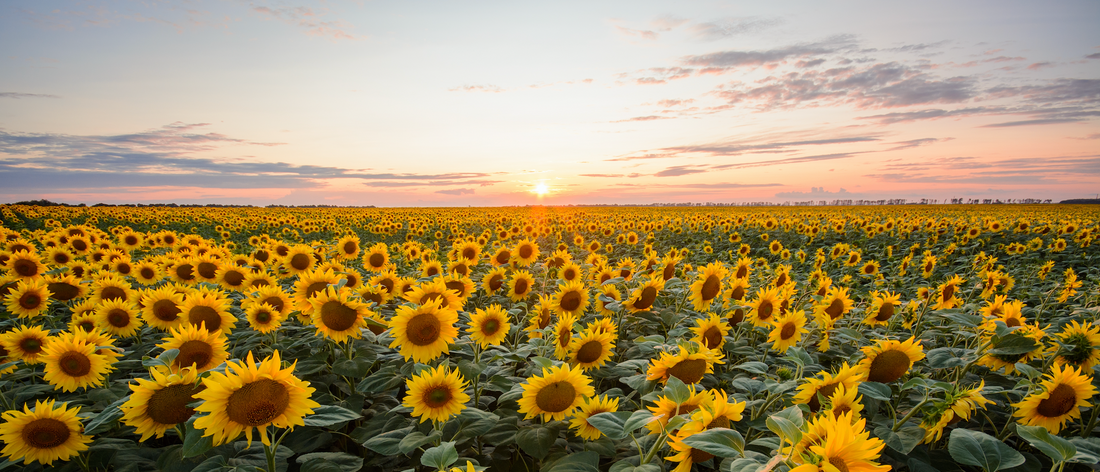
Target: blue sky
449, 103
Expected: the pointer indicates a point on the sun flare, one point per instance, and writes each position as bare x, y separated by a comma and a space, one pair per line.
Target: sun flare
541, 189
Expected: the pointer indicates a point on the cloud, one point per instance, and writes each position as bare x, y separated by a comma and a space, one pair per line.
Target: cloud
815, 192
1018, 171
790, 160
1093, 56
18, 95
1081, 91
914, 143
730, 60
931, 114
676, 171
644, 118
600, 175
477, 88
1048, 121
728, 28
1040, 65
307, 18
1091, 136
643, 34
736, 148
457, 191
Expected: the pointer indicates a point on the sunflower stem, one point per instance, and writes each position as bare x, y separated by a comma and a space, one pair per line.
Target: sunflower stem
913, 411
1087, 431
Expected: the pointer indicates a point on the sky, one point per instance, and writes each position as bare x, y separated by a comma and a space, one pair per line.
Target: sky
443, 103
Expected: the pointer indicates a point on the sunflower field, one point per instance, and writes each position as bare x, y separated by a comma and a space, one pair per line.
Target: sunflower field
551, 339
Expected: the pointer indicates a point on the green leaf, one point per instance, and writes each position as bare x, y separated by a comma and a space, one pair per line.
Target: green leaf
878, 391
328, 415
330, 461
542, 362
194, 444
536, 440
1014, 344
948, 357
676, 390
440, 457
416, 439
102, 421
1058, 449
784, 428
982, 450
792, 414
721, 442
612, 424
903, 441
753, 367
354, 368
586, 461
629, 465
637, 420
745, 465
386, 378
1088, 450
212, 464
388, 443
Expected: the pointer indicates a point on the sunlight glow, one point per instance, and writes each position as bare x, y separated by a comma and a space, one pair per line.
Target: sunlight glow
541, 189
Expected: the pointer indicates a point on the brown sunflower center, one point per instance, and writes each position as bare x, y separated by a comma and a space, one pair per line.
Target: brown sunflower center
30, 345
469, 253
711, 287
781, 280
570, 300
565, 334
457, 286
300, 261
526, 251
1060, 401
185, 271
233, 278
263, 317
590, 352
495, 282
315, 288
45, 433
737, 316
765, 311
839, 464
948, 292
118, 318
376, 260
885, 312
835, 309
503, 256
1012, 322
788, 331
166, 310
423, 329
337, 316
75, 364
169, 404
63, 291
825, 391
569, 274
689, 370
437, 396
490, 327
646, 299
888, 366
350, 247
712, 337
668, 272
258, 402
556, 397
30, 301
521, 287
207, 269
203, 314
195, 352
25, 267
112, 293
147, 273
841, 409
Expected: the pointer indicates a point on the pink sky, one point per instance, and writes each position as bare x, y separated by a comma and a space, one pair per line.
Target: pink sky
426, 104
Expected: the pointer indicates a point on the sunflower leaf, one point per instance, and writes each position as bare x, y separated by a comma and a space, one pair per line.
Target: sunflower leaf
100, 422
440, 457
637, 420
328, 415
1014, 344
536, 440
676, 390
722, 442
610, 423
329, 462
194, 443
388, 443
982, 450
586, 461
1058, 449
785, 428
876, 390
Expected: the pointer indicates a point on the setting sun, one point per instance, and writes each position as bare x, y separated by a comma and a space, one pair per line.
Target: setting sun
541, 189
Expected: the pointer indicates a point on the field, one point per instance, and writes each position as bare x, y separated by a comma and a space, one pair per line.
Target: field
922, 338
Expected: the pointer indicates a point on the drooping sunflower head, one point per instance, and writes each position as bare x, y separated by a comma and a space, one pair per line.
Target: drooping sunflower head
423, 332
882, 308
489, 327
160, 402
889, 360
44, 434
1080, 345
835, 304
198, 348
555, 393
644, 297
436, 394
825, 383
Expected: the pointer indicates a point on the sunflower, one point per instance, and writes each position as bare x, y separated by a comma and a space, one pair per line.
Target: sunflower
272, 295
147, 272
708, 285
543, 315
689, 364
72, 362
436, 394
25, 343
65, 287
469, 250
160, 402
602, 274
29, 298
258, 278
493, 280
118, 317
1063, 392
719, 413
459, 266
423, 332
209, 310
44, 434
161, 308
232, 277
83, 318
882, 308
928, 264
461, 285
348, 247
503, 256
711, 331
957, 406
607, 291
25, 264
946, 293
845, 400
835, 305
434, 291
489, 327
787, 330
555, 393
764, 307
563, 335
520, 285
571, 298
59, 256
590, 407
825, 384
1080, 346
844, 446
182, 271
250, 396
263, 317
665, 409
591, 349
337, 316
889, 360
373, 294
643, 297
782, 276
198, 348
112, 287
299, 260
376, 258
309, 284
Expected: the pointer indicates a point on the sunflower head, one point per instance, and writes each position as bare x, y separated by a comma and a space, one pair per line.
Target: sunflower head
423, 332
555, 393
44, 434
1059, 399
436, 394
889, 360
489, 327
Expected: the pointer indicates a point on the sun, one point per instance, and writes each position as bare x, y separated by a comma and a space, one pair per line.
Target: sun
541, 189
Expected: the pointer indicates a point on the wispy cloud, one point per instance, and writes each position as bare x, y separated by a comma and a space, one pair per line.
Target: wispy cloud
18, 95
457, 191
676, 171
644, 118
912, 143
313, 21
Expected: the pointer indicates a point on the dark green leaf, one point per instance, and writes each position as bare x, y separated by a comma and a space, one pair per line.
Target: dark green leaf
577, 462
440, 457
1058, 449
328, 415
536, 440
637, 420
388, 443
329, 461
721, 442
784, 428
1014, 344
982, 450
876, 390
415, 439
102, 422
194, 444
611, 424
676, 390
